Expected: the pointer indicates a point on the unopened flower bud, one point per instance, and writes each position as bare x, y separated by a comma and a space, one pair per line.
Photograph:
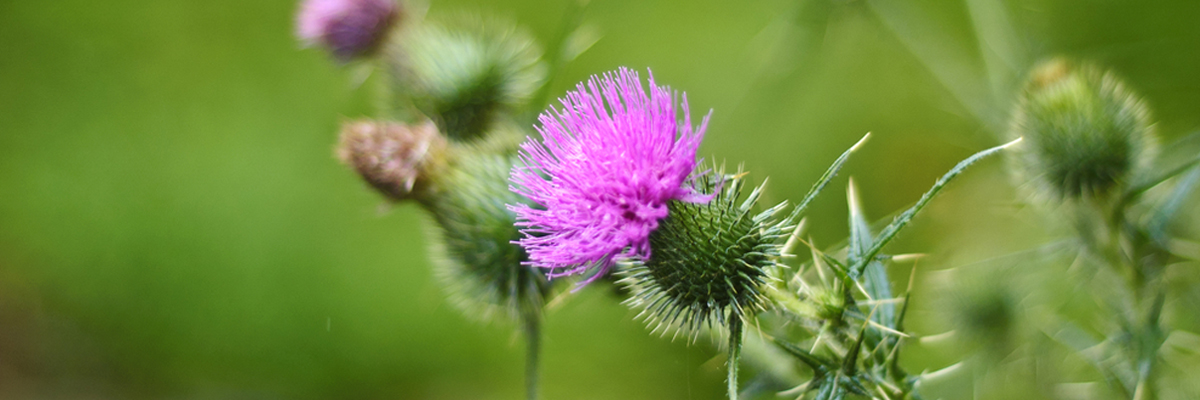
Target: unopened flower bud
466, 75
481, 267
398, 160
1087, 134
347, 28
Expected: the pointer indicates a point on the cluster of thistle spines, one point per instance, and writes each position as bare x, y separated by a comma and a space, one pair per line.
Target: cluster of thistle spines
868, 351
1089, 134
479, 265
864, 343
709, 261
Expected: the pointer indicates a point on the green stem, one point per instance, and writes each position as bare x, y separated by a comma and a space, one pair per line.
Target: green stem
532, 322
735, 354
1149, 339
1147, 288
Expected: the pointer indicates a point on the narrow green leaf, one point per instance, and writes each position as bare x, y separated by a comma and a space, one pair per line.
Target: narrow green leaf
1141, 187
875, 278
901, 221
818, 364
1166, 211
850, 363
828, 176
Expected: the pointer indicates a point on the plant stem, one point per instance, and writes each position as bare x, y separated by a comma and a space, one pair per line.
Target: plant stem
735, 354
1149, 293
532, 326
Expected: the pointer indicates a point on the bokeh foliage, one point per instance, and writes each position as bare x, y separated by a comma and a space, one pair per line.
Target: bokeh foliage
173, 223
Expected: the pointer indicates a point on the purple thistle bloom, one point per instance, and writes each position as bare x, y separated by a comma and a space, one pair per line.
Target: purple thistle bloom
348, 28
608, 163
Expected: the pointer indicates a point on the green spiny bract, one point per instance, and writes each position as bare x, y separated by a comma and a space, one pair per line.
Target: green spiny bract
466, 76
477, 260
1087, 133
707, 261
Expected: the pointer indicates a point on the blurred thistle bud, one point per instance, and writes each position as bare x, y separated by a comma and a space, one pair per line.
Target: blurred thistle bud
401, 161
1088, 134
465, 76
984, 306
478, 262
347, 28
709, 262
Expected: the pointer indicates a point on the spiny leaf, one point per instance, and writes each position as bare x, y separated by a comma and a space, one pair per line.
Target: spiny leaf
813, 361
901, 221
875, 278
828, 176
1166, 211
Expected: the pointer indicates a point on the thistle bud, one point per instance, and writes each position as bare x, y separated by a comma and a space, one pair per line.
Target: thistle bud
984, 308
467, 75
347, 28
477, 261
709, 261
1087, 134
400, 161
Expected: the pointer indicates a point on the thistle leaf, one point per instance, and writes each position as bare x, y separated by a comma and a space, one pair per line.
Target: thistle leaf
875, 278
1166, 211
828, 176
889, 232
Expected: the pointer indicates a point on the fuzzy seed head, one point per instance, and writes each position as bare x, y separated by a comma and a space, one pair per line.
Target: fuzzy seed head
347, 28
1087, 134
400, 161
709, 264
602, 176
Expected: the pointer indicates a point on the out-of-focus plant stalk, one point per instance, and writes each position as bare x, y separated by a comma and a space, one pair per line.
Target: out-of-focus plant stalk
531, 321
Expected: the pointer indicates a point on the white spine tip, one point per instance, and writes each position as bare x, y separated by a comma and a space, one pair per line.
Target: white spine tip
860, 142
1014, 142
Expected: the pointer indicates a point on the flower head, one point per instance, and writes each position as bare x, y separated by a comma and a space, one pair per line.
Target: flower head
400, 161
348, 28
608, 163
468, 73
1089, 134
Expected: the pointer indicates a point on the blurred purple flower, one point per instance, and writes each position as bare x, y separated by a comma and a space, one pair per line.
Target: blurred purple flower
608, 163
347, 28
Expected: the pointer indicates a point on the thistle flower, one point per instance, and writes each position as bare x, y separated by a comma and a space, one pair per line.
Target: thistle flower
1088, 134
347, 28
609, 162
398, 160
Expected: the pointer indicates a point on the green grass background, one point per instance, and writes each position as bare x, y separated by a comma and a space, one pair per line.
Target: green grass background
173, 224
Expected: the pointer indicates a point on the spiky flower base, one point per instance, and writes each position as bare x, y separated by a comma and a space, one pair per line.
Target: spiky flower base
708, 261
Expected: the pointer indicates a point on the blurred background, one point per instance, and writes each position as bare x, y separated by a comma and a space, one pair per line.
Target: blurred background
173, 223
